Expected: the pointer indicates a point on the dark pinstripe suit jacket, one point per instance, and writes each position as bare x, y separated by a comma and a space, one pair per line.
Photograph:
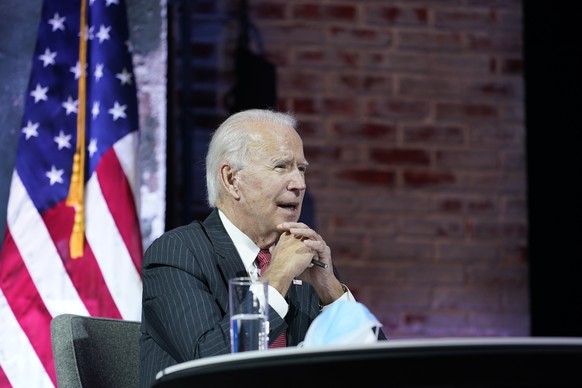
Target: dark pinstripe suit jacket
185, 295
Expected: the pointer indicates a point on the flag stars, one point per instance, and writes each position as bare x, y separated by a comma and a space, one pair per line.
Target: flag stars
48, 58
54, 175
118, 111
109, 2
57, 22
103, 33
39, 93
98, 73
95, 109
89, 33
63, 141
124, 77
31, 130
70, 105
77, 70
92, 148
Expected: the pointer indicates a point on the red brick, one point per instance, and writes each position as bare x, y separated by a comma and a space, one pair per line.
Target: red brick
402, 157
464, 18
427, 179
357, 84
466, 111
307, 11
335, 57
373, 177
343, 106
499, 230
468, 159
471, 252
300, 80
321, 154
495, 136
432, 134
395, 108
500, 43
483, 206
265, 10
332, 13
397, 16
431, 40
344, 13
364, 130
303, 105
360, 36
427, 228
310, 129
450, 205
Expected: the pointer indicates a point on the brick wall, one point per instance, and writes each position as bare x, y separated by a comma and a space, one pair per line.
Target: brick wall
412, 115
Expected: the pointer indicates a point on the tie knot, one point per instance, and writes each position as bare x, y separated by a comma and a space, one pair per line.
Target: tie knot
264, 257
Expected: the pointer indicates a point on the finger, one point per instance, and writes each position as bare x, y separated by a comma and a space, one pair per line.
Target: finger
318, 246
292, 225
306, 232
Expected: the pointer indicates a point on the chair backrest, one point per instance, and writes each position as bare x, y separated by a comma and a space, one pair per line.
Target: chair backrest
95, 352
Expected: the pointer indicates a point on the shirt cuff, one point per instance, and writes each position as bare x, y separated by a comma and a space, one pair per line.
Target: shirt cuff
278, 302
346, 297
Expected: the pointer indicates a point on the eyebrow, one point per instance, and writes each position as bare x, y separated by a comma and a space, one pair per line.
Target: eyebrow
287, 160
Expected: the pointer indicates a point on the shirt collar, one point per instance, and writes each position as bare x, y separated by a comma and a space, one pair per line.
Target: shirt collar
246, 248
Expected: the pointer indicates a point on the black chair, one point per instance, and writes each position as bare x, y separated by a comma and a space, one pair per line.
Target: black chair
95, 352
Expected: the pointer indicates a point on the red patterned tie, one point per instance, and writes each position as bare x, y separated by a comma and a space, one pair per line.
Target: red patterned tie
264, 257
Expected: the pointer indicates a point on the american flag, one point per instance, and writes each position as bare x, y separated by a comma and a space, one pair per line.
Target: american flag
75, 172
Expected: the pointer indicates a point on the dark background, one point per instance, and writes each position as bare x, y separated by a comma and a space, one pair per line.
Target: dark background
553, 68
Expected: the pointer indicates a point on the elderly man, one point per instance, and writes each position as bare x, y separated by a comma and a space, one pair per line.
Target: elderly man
255, 174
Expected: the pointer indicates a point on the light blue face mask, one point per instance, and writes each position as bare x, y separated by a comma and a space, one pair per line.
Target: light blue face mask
342, 323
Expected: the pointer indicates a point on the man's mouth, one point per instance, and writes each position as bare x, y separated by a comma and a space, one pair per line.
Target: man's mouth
288, 206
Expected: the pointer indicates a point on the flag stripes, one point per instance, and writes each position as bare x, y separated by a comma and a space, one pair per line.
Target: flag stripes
39, 278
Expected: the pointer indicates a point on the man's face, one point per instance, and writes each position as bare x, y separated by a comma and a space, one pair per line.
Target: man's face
272, 185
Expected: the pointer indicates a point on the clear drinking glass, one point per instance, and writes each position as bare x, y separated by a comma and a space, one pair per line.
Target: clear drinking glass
249, 314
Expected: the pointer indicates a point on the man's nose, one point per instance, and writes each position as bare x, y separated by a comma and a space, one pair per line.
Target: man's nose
297, 181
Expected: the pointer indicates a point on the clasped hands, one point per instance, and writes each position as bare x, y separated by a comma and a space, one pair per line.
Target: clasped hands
291, 259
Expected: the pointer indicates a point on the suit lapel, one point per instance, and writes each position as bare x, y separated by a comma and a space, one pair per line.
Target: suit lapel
229, 262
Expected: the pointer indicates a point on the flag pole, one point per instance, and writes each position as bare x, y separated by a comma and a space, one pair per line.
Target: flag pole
77, 188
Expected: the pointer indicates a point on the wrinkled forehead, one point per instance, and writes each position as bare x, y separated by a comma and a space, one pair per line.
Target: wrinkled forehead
268, 139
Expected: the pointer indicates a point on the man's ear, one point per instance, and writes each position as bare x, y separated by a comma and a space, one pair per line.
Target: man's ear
228, 178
